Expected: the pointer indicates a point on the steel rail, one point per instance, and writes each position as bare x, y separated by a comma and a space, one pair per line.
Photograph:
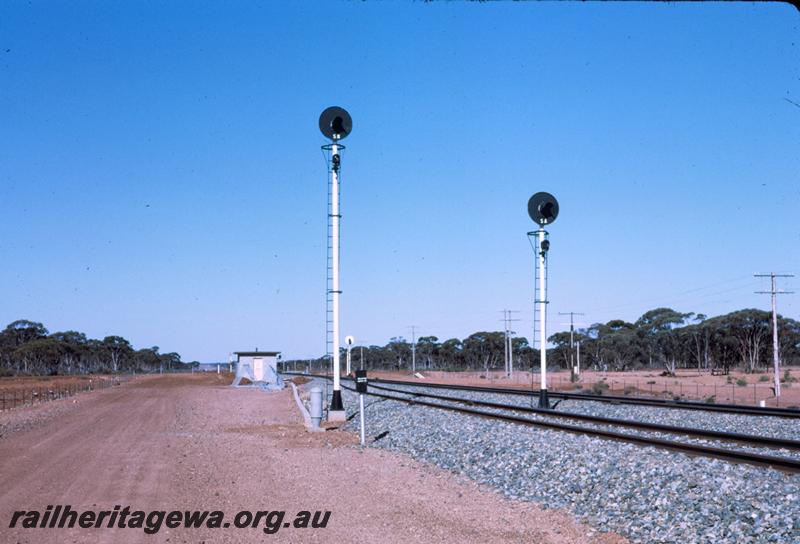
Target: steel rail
759, 441
663, 403
781, 463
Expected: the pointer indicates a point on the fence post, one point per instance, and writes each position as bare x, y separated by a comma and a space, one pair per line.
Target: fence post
755, 398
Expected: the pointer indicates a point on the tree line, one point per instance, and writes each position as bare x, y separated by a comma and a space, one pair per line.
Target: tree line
660, 338
27, 347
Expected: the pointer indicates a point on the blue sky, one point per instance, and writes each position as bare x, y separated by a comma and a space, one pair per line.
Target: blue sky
161, 177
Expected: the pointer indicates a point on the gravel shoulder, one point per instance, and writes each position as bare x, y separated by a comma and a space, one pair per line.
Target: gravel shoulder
191, 442
646, 494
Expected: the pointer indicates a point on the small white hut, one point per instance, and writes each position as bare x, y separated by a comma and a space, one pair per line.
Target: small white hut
260, 367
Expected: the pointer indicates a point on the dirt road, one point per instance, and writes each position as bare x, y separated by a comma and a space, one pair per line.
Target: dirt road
192, 443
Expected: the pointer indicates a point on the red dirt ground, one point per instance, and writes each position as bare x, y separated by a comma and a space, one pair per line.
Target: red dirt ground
187, 442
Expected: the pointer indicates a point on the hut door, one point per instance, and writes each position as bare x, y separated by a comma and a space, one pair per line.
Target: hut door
258, 369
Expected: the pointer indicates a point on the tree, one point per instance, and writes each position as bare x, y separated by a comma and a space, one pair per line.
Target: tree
452, 351
658, 327
428, 349
40, 356
751, 329
117, 349
561, 348
484, 349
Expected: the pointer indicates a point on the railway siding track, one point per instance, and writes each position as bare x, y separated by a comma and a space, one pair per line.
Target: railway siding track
787, 464
641, 401
599, 427
759, 441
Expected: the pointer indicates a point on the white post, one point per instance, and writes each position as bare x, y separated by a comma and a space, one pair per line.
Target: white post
361, 412
542, 315
510, 356
336, 401
335, 256
505, 343
775, 353
348, 360
578, 367
413, 351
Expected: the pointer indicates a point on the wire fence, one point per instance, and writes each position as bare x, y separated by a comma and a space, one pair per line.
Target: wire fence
737, 391
727, 393
18, 396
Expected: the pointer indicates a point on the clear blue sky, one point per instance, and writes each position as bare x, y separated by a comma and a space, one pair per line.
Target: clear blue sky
161, 177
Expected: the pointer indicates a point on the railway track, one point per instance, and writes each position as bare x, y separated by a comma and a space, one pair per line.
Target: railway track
468, 406
754, 440
663, 403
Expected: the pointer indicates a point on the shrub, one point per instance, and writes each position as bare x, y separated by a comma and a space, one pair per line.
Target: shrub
711, 400
629, 389
787, 378
741, 382
651, 382
729, 379
599, 387
763, 378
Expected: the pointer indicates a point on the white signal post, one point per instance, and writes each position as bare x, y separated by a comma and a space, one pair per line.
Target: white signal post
543, 210
335, 292
542, 318
335, 123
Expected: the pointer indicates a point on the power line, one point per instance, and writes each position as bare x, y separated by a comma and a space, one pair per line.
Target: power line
685, 293
792, 102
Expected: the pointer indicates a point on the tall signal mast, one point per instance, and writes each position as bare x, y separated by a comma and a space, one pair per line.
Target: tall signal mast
543, 209
335, 124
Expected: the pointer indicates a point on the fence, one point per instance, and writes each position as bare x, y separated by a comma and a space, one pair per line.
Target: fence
676, 389
735, 391
727, 393
13, 397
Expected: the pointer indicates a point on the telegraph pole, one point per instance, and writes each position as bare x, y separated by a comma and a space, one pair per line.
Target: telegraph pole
508, 345
776, 363
413, 349
505, 341
572, 375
